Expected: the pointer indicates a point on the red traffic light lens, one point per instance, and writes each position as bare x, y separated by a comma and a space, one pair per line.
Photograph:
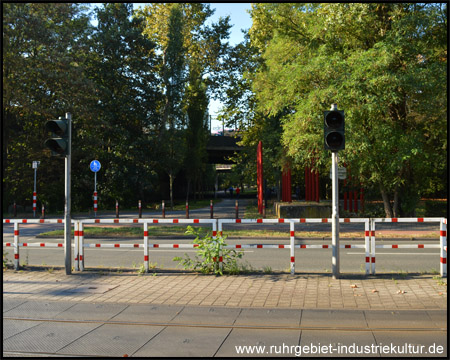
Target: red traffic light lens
334, 139
334, 119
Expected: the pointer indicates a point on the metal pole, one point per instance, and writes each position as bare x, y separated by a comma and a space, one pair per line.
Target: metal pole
34, 193
335, 217
95, 195
67, 222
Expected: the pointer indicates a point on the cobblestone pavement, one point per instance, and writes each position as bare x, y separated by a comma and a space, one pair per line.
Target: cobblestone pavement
300, 291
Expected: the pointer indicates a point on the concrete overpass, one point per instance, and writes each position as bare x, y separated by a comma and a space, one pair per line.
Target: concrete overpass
219, 148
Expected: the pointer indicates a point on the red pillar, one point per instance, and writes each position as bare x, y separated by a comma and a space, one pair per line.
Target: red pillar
259, 168
317, 186
307, 183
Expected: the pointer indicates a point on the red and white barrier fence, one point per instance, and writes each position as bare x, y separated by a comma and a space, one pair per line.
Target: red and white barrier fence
217, 225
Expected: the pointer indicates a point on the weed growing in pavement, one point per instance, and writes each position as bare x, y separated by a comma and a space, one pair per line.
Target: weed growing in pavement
209, 251
439, 280
267, 270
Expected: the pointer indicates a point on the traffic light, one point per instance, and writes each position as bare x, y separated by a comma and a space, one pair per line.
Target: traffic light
59, 142
334, 130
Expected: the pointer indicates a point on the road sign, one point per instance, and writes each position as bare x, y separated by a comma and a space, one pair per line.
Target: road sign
342, 173
95, 165
36, 164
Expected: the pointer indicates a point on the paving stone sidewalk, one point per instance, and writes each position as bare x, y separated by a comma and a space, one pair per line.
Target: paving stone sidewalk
300, 291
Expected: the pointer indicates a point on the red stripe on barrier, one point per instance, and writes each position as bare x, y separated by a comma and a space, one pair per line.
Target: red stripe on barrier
24, 220
259, 246
145, 257
145, 233
302, 246
214, 233
81, 258
348, 246
76, 233
41, 221
135, 220
176, 246
136, 245
156, 245
259, 221
280, 246
60, 245
16, 256
196, 245
292, 233
196, 221
443, 260
238, 221
155, 221
81, 233
324, 246
116, 221
238, 246
420, 246
292, 259
324, 220
395, 246
7, 221
16, 232
8, 244
98, 245
97, 221
394, 220
443, 233
25, 244
60, 221
419, 219
220, 259
302, 220
76, 259
281, 220
175, 221
373, 260
346, 220
116, 245
372, 233
41, 244
367, 233
367, 259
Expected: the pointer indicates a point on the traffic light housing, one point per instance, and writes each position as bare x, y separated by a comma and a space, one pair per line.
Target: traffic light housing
59, 142
334, 130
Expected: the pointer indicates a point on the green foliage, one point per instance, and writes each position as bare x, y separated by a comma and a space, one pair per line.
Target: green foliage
208, 252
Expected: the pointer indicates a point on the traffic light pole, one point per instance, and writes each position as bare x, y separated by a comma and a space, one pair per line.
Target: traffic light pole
335, 217
67, 218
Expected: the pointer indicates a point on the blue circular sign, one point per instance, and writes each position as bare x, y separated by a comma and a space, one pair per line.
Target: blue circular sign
95, 165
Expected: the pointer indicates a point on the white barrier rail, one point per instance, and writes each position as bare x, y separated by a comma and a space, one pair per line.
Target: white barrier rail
217, 225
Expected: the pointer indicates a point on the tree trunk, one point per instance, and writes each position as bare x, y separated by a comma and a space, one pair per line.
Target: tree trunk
396, 203
386, 202
171, 178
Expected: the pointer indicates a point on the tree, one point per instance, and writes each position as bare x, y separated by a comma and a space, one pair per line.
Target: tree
382, 64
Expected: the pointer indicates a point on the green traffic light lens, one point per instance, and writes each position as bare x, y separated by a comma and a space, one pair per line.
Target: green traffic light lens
334, 139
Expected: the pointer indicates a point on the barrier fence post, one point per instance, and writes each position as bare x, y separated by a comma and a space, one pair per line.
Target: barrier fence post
367, 244
292, 242
16, 246
81, 245
146, 246
211, 209
95, 203
163, 209
117, 209
140, 209
443, 245
76, 263
372, 245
